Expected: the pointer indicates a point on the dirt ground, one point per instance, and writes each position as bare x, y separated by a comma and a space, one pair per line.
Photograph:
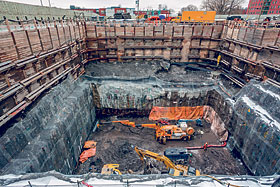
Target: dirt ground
115, 141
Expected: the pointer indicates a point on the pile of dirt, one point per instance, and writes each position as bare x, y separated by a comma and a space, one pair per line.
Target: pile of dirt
115, 146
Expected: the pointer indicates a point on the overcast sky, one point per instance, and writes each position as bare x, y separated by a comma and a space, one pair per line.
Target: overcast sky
174, 4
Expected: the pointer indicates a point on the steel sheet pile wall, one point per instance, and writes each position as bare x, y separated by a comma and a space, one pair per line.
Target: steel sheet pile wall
34, 56
52, 134
251, 52
181, 43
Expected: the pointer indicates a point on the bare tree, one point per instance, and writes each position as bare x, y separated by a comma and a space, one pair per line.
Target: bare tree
162, 7
221, 6
171, 11
189, 8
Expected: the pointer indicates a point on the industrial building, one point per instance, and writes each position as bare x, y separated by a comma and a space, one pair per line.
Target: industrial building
93, 103
106, 12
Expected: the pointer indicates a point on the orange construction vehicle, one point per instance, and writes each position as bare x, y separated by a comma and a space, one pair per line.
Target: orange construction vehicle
164, 132
174, 170
154, 19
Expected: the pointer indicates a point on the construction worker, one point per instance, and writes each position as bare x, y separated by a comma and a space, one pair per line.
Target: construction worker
205, 146
218, 60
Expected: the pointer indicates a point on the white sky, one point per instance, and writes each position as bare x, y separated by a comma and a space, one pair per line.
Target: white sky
174, 4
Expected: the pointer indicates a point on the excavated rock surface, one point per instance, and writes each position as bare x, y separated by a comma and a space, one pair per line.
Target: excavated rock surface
146, 69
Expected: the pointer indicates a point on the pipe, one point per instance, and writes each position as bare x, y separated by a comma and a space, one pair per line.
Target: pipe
205, 146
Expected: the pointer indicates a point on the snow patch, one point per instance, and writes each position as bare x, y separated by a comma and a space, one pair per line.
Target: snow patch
269, 92
262, 112
47, 181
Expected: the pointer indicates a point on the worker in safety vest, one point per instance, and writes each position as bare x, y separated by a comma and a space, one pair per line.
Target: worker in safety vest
205, 146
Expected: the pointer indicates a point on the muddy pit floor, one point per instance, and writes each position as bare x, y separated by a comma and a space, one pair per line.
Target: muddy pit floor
114, 146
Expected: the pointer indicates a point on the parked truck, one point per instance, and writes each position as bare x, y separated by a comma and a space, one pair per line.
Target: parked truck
196, 16
122, 16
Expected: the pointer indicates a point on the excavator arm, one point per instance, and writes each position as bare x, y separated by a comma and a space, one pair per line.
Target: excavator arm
125, 122
145, 153
174, 170
132, 124
151, 126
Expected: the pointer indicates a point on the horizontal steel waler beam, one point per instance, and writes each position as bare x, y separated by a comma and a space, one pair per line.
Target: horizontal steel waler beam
238, 57
11, 90
138, 38
30, 97
19, 63
135, 47
205, 38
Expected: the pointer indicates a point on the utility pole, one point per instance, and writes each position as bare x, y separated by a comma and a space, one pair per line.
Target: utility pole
137, 7
138, 4
49, 3
41, 2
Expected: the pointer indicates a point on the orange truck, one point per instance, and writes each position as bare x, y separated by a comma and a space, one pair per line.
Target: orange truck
196, 16
154, 19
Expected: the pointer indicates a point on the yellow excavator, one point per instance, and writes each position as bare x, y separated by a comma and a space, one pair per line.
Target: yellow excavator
174, 170
110, 169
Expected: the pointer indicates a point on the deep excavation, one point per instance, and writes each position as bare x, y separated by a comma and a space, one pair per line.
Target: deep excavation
125, 97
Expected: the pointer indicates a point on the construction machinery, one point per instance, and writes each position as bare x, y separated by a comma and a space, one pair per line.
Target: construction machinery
122, 15
110, 169
174, 170
163, 132
183, 123
177, 154
196, 16
153, 19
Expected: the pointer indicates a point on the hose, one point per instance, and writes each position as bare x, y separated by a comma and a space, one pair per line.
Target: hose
205, 146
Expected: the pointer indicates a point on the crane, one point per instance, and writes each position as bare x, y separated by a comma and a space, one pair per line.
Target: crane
174, 170
163, 132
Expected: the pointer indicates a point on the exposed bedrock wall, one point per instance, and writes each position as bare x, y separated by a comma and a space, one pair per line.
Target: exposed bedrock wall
254, 135
143, 96
253, 122
51, 135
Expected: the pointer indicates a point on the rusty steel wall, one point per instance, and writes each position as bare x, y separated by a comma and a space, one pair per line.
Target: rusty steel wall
251, 52
34, 56
116, 42
247, 51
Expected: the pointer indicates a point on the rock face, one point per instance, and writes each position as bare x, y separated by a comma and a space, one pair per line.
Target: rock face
256, 132
251, 116
51, 135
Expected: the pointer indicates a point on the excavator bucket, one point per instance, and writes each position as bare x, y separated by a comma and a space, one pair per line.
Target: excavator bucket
110, 169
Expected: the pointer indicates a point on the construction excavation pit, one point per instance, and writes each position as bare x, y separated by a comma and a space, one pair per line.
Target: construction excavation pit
139, 104
126, 93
